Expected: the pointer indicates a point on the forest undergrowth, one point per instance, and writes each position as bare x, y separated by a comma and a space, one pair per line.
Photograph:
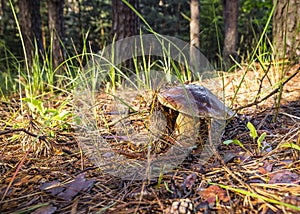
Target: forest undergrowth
44, 169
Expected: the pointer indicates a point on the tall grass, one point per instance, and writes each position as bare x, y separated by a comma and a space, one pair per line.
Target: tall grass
41, 78
39, 86
8, 72
260, 53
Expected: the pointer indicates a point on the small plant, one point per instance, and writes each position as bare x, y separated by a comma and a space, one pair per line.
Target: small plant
40, 126
50, 117
254, 135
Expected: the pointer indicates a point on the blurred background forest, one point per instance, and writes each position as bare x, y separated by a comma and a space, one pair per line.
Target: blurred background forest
41, 34
91, 21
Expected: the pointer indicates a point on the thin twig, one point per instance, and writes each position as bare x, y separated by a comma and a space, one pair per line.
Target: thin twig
276, 90
8, 131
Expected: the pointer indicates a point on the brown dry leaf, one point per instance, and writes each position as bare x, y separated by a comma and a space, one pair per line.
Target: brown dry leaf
266, 168
73, 188
212, 193
53, 187
262, 170
70, 190
284, 176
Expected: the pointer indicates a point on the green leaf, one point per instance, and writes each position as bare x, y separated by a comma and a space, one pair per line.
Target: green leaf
64, 114
236, 142
253, 132
290, 145
52, 112
261, 139
167, 187
51, 134
227, 142
35, 104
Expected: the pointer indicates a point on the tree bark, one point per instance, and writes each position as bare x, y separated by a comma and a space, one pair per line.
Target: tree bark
2, 15
125, 24
30, 23
194, 24
125, 21
230, 14
194, 38
286, 29
56, 28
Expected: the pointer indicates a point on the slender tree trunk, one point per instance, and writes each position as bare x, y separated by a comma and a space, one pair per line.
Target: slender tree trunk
125, 24
125, 21
30, 22
194, 24
2, 15
194, 37
230, 14
286, 28
56, 28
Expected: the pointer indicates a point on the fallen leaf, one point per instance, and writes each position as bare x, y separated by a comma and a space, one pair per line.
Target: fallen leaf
73, 188
266, 168
212, 193
53, 187
70, 190
284, 176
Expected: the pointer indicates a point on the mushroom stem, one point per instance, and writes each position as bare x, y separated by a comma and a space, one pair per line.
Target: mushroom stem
187, 128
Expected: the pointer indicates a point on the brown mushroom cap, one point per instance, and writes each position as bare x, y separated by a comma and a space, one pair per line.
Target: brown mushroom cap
194, 100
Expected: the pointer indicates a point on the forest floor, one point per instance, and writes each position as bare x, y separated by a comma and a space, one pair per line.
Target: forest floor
237, 179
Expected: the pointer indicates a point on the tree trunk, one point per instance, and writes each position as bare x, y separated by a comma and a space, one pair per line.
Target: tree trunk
56, 28
125, 21
194, 38
125, 24
230, 14
194, 24
286, 28
2, 15
30, 23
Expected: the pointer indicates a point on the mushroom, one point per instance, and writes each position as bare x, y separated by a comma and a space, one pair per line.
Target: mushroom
193, 102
